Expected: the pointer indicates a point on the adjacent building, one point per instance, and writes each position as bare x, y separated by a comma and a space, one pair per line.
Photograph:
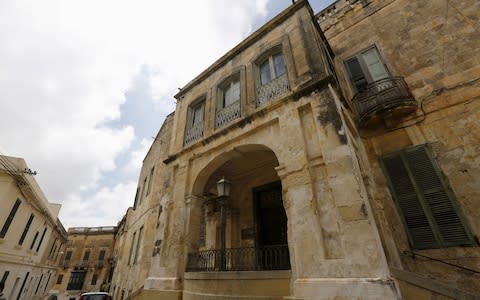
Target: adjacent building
86, 262
409, 73
327, 156
31, 236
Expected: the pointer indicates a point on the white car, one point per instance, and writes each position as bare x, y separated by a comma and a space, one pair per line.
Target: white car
95, 296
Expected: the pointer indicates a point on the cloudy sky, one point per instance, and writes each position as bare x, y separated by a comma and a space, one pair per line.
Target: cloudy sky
85, 85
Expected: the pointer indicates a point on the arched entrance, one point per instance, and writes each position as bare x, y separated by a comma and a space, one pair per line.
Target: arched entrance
246, 231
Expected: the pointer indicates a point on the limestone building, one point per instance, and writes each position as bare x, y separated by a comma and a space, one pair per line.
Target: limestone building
409, 73
328, 156
86, 262
264, 117
31, 236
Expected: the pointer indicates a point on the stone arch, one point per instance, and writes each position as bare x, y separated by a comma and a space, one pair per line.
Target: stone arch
256, 191
200, 180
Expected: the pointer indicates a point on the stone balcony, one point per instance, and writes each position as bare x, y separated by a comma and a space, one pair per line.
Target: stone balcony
389, 97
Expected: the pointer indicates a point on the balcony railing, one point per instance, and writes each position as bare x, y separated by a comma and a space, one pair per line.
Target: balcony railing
194, 133
272, 89
240, 259
383, 96
227, 114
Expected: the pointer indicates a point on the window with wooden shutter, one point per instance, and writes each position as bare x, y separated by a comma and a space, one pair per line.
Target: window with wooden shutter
425, 201
364, 68
195, 121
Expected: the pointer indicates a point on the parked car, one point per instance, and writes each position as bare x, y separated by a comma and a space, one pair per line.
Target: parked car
95, 296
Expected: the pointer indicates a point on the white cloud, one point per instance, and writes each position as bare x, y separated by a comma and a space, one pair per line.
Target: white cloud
100, 208
137, 155
65, 66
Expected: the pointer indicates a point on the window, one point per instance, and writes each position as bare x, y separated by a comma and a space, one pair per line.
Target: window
271, 68
229, 93
60, 279
149, 186
76, 281
271, 76
195, 117
23, 286
101, 255
131, 248
144, 189
25, 230
39, 282
425, 201
228, 101
5, 276
9, 219
364, 68
34, 240
86, 256
94, 279
41, 239
137, 194
139, 241
68, 256
54, 248
196, 114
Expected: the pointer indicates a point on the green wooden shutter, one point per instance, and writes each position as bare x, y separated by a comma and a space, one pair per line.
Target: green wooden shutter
424, 199
356, 74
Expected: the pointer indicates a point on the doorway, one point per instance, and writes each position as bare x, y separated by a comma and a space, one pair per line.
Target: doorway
271, 228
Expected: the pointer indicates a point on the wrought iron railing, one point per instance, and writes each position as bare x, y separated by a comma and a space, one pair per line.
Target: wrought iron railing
194, 133
272, 89
240, 259
227, 114
381, 96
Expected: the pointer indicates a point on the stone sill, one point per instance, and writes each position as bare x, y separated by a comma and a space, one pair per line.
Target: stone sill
238, 275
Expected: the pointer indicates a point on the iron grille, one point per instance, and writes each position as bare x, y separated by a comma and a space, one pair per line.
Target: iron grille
381, 96
240, 259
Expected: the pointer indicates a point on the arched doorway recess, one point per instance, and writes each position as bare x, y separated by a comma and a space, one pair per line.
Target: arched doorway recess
253, 234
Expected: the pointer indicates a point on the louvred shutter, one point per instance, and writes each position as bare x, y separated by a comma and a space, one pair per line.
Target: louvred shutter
420, 232
436, 196
426, 203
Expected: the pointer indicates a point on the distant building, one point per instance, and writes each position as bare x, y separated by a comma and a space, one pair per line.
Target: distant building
328, 156
86, 262
31, 236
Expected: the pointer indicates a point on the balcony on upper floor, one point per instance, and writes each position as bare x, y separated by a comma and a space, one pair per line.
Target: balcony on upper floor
388, 97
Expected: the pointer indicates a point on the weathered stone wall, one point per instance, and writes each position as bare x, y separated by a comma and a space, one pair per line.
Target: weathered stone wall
434, 46
148, 213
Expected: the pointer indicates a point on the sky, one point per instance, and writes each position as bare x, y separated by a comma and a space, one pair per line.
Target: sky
85, 86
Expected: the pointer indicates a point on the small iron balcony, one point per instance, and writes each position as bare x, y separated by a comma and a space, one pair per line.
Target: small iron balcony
240, 259
386, 97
